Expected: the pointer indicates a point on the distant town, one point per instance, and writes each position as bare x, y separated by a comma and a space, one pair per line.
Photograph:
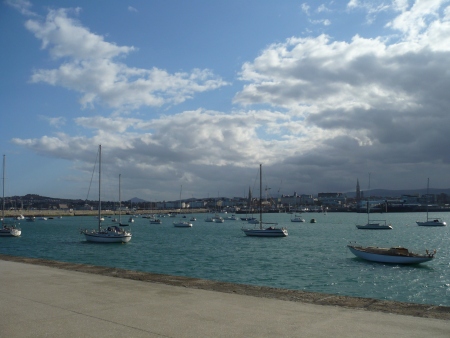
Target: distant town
379, 201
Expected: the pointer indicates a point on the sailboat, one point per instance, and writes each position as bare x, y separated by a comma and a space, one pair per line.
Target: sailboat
431, 222
180, 223
395, 255
272, 230
372, 225
112, 234
7, 230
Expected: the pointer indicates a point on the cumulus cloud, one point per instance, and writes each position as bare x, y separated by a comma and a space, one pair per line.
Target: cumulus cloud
332, 110
90, 66
371, 96
213, 147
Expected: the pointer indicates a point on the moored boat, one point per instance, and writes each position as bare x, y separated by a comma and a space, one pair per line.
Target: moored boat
431, 222
112, 234
7, 230
375, 226
371, 225
297, 218
394, 255
272, 230
182, 224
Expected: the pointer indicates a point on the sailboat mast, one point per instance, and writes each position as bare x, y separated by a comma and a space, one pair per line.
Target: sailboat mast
368, 203
99, 186
3, 199
181, 188
260, 196
428, 188
120, 204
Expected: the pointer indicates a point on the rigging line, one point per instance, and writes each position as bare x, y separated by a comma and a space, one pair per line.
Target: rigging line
92, 176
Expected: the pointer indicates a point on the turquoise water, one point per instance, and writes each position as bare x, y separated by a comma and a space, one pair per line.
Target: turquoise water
314, 257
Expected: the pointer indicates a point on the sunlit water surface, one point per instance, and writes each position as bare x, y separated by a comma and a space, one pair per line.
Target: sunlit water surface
314, 257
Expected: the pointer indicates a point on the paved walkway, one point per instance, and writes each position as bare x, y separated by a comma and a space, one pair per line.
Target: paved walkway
42, 301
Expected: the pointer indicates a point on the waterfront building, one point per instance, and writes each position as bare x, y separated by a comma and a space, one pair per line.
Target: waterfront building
332, 198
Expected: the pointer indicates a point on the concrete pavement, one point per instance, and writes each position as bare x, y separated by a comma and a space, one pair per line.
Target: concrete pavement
43, 301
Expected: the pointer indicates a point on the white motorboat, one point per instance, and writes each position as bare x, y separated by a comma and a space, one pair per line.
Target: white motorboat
297, 218
261, 231
20, 217
7, 230
372, 225
112, 234
231, 218
192, 219
431, 222
155, 221
395, 255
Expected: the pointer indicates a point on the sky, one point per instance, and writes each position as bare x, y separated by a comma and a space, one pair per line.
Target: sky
189, 97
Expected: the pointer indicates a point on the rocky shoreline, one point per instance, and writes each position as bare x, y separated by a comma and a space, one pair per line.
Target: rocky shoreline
367, 304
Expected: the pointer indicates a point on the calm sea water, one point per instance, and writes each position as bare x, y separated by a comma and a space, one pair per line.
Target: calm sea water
314, 257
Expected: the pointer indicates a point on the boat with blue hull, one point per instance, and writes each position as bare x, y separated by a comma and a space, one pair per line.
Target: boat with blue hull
394, 255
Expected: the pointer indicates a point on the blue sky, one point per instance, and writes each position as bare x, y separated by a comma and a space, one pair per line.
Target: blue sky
197, 94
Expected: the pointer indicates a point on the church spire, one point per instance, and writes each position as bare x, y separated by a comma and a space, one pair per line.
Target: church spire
358, 191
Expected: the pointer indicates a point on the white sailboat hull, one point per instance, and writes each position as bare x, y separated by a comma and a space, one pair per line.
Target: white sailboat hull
182, 224
97, 237
10, 232
433, 223
374, 226
276, 232
388, 258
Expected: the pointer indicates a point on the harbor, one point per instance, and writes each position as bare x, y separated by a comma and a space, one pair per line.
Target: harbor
313, 258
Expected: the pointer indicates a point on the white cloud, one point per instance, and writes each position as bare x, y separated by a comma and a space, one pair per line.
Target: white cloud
305, 8
366, 98
132, 9
374, 7
57, 122
23, 6
330, 108
414, 21
90, 67
323, 8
